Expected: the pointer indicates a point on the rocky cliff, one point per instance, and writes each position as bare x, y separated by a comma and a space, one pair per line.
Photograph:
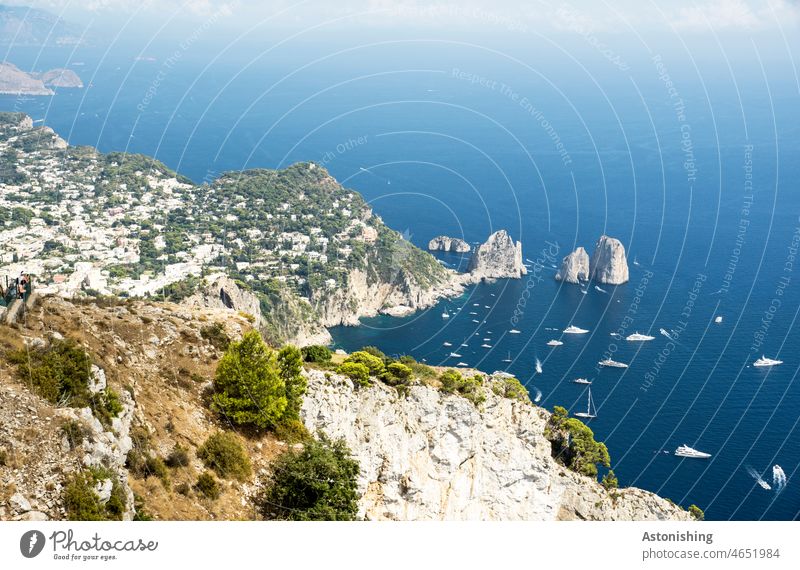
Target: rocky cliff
61, 77
16, 82
433, 456
608, 263
499, 257
574, 267
445, 243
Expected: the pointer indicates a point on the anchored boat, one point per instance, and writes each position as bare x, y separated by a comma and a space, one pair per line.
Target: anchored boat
686, 451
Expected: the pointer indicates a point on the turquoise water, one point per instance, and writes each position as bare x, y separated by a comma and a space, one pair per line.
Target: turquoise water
464, 155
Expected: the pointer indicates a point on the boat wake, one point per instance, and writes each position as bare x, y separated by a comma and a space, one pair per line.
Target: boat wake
538, 397
778, 478
757, 477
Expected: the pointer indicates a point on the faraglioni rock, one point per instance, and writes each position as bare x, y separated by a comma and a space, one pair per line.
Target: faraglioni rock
574, 267
434, 456
498, 258
446, 243
608, 263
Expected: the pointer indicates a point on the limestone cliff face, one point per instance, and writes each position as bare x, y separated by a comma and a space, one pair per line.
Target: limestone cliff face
498, 258
608, 263
445, 243
61, 77
433, 456
574, 267
288, 321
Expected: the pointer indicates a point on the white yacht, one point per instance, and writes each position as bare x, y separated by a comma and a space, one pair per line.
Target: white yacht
582, 381
764, 361
639, 337
572, 329
554, 342
612, 363
445, 314
718, 319
484, 345
686, 451
455, 355
445, 343
514, 331
590, 411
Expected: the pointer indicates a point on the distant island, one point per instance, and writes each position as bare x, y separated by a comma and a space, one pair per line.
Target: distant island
14, 81
26, 26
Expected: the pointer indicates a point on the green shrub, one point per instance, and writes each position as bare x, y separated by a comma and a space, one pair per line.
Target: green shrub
208, 486
292, 431
574, 445
178, 457
356, 371
468, 387
82, 503
697, 512
511, 388
316, 483
155, 467
106, 405
317, 353
216, 336
610, 481
59, 372
75, 432
373, 363
399, 376
141, 513
374, 351
225, 454
249, 388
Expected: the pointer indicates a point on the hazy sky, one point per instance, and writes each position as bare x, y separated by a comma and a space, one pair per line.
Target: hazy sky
682, 16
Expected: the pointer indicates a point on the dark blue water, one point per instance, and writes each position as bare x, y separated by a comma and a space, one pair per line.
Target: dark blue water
446, 155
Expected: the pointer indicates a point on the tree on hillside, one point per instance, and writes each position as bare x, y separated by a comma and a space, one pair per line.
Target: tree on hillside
250, 389
290, 362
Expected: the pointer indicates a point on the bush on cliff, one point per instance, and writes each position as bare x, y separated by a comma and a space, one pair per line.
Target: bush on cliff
574, 445
511, 388
315, 483
356, 371
317, 353
399, 376
373, 363
697, 512
452, 382
225, 454
290, 364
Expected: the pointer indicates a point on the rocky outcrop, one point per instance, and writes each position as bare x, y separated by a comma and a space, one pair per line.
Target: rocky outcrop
60, 77
432, 456
574, 267
498, 258
221, 292
445, 243
608, 263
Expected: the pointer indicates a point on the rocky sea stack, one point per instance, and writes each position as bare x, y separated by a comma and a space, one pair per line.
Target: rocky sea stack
609, 264
574, 267
445, 243
499, 258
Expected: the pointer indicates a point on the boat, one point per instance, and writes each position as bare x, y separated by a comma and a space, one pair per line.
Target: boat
473, 313
584, 291
718, 319
572, 329
445, 314
582, 381
600, 289
486, 340
686, 451
475, 321
554, 342
508, 358
640, 337
635, 261
538, 366
445, 343
666, 334
589, 413
764, 361
484, 345
514, 331
462, 364
455, 355
464, 344
612, 363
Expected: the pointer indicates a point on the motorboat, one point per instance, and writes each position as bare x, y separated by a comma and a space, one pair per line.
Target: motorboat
582, 381
686, 451
764, 361
572, 329
639, 337
554, 342
612, 363
514, 331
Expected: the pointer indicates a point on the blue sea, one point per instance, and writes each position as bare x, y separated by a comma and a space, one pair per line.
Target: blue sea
691, 162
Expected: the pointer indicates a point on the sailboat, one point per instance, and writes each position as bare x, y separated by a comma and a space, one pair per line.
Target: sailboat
538, 366
589, 413
445, 314
508, 359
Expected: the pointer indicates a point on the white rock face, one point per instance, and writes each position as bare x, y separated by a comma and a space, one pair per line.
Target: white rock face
432, 456
608, 263
498, 258
574, 267
445, 243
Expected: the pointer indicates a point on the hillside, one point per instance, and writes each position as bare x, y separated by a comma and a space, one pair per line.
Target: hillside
312, 252
425, 452
26, 26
